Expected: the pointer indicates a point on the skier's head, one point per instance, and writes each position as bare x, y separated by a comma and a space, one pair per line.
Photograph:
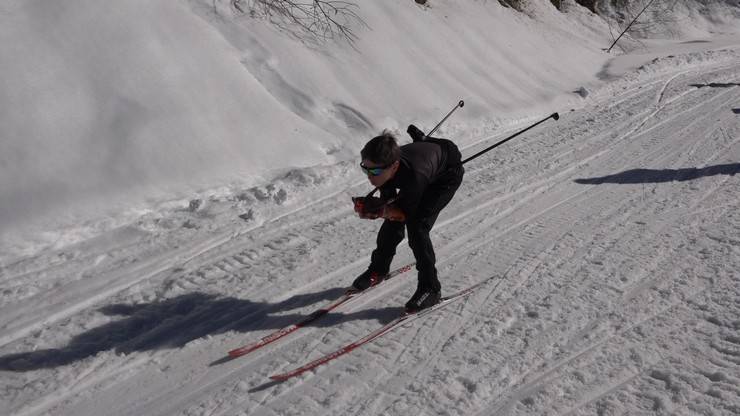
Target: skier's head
380, 158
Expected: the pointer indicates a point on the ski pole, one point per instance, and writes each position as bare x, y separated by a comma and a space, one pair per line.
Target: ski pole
553, 116
460, 104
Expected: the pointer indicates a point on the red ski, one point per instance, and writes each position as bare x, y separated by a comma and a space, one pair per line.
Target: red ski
280, 333
406, 317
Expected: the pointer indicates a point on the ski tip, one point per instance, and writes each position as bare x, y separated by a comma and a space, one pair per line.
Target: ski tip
279, 377
238, 352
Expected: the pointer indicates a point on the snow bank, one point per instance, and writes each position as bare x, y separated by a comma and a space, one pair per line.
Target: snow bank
104, 103
680, 19
110, 105
110, 109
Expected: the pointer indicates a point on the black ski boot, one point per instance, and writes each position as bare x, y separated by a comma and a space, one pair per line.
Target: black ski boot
423, 298
367, 279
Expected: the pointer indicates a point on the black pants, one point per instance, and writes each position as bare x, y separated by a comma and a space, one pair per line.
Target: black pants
391, 233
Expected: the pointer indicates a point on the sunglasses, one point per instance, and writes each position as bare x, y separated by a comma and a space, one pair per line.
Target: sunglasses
376, 171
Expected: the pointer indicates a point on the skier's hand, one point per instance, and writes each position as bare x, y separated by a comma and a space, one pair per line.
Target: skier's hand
416, 134
359, 204
368, 208
393, 213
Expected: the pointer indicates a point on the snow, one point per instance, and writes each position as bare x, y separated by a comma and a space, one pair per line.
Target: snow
175, 183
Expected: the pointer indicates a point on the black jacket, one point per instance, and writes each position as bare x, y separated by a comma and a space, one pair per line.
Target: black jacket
422, 164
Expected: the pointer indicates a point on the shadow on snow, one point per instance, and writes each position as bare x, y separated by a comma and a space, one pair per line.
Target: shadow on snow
662, 175
716, 85
172, 323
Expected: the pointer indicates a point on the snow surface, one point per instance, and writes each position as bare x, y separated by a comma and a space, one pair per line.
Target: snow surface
177, 185
195, 96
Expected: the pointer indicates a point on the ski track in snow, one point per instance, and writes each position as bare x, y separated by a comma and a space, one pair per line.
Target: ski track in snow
617, 294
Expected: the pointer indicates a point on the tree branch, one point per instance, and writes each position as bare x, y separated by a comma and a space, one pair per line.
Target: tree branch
309, 20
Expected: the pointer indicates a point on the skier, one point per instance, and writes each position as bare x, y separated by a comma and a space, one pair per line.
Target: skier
416, 181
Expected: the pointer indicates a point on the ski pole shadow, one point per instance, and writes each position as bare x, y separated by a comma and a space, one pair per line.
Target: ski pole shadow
172, 323
635, 176
716, 85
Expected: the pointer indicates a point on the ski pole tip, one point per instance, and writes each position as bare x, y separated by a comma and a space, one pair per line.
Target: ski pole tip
556, 116
461, 103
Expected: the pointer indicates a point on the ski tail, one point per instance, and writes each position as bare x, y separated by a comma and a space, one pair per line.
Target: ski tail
314, 316
403, 318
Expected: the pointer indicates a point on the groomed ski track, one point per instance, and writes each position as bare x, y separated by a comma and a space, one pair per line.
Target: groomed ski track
617, 291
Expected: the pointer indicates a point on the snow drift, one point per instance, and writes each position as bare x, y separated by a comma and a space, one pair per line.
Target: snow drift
107, 106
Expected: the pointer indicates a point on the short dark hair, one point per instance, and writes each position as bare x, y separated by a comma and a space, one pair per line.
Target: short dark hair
382, 149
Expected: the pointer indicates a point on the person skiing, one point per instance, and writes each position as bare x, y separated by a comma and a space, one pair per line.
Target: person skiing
416, 181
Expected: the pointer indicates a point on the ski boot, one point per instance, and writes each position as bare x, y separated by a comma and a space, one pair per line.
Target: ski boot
366, 280
423, 298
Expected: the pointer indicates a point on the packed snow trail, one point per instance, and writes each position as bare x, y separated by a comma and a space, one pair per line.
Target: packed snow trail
615, 231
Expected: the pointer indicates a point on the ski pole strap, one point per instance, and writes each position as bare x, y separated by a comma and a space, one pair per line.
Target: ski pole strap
553, 116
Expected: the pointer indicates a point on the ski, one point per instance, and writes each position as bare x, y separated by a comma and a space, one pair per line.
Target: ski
280, 333
404, 318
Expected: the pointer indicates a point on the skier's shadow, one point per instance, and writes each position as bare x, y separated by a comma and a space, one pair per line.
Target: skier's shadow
635, 176
172, 323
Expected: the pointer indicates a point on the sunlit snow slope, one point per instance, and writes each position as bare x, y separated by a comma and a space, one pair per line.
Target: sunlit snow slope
612, 235
111, 108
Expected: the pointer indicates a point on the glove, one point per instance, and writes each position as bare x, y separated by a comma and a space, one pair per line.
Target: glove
369, 207
393, 213
416, 134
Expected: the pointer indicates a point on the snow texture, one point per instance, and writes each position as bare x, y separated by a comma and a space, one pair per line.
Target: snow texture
176, 182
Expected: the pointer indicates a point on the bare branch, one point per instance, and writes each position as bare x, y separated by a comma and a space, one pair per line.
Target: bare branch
312, 21
643, 18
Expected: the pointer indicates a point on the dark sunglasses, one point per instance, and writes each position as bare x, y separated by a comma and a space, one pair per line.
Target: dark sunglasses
376, 171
